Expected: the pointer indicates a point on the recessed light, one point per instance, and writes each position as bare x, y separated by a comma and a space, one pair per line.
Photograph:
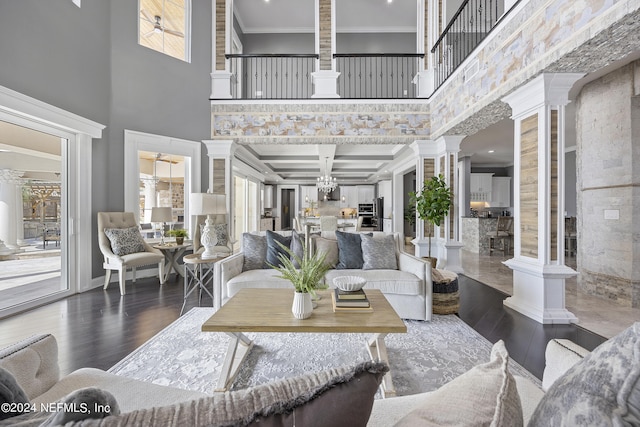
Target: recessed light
491, 151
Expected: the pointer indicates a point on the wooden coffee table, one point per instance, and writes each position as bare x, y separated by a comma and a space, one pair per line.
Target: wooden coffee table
269, 310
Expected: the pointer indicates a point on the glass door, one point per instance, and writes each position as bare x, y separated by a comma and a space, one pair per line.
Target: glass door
33, 215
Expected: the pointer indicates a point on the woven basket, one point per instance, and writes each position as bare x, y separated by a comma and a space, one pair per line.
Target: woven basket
446, 303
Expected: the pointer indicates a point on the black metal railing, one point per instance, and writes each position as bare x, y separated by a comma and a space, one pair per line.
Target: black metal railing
271, 76
473, 21
384, 75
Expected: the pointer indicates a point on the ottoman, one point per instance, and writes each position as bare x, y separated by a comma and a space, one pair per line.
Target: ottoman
446, 296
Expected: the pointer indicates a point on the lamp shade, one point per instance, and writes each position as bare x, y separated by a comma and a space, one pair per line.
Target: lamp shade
161, 214
207, 204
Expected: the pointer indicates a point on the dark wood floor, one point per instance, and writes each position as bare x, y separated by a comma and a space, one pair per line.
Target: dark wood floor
98, 328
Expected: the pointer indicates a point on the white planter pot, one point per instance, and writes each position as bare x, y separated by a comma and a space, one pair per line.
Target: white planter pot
302, 306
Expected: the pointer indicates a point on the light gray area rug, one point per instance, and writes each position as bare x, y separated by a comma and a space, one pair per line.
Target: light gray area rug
429, 355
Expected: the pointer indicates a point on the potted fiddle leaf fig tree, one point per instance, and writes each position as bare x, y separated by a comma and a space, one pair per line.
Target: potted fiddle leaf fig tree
433, 203
305, 274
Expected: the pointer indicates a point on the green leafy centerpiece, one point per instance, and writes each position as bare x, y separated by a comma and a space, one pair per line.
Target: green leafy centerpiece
179, 233
305, 274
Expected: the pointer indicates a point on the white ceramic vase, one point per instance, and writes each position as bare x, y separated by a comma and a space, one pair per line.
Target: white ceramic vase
302, 305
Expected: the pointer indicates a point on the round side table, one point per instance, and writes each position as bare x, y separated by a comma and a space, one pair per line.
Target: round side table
198, 274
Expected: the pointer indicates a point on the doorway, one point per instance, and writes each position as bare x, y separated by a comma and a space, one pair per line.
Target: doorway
288, 207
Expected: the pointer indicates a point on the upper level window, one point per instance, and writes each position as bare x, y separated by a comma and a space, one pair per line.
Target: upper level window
164, 25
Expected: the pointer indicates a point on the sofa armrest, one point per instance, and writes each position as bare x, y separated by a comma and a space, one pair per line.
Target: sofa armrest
421, 269
560, 356
225, 270
34, 363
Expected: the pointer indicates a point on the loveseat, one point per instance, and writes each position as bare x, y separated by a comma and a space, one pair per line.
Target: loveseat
404, 279
583, 388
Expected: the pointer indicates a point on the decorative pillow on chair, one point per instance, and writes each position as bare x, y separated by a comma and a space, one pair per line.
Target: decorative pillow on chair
220, 231
125, 241
603, 389
254, 249
274, 250
485, 395
379, 253
10, 392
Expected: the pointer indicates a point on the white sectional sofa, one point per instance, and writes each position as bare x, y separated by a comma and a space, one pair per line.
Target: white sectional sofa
407, 288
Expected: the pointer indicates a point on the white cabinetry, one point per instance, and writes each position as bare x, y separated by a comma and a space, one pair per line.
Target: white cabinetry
387, 225
267, 200
501, 192
350, 195
480, 188
308, 193
366, 193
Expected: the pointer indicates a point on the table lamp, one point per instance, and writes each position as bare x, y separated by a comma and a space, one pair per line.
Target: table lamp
208, 204
162, 215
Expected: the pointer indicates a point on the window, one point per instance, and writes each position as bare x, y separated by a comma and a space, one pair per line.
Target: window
164, 25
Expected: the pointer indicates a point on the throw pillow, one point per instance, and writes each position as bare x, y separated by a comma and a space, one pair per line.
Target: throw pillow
88, 403
349, 250
254, 249
125, 241
274, 250
485, 395
297, 247
602, 389
220, 231
335, 397
328, 247
11, 393
379, 253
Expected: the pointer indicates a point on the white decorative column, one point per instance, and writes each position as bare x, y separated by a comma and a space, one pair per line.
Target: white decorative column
426, 155
325, 76
452, 240
221, 154
222, 17
538, 266
150, 198
9, 186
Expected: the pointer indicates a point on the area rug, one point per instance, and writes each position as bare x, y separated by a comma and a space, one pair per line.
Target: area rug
429, 355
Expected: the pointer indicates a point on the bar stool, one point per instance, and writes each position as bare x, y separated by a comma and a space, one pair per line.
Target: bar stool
502, 233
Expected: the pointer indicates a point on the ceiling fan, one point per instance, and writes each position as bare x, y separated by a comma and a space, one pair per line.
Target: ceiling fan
158, 28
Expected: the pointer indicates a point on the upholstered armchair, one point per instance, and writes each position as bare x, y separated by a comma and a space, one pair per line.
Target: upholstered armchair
123, 247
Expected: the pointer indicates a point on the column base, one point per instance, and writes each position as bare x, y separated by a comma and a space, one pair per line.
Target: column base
422, 250
221, 85
453, 250
539, 291
424, 83
325, 84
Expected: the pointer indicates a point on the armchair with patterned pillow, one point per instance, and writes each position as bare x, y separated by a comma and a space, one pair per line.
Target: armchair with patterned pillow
221, 228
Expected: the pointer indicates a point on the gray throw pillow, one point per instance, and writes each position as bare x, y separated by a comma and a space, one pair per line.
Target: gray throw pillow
254, 249
349, 250
297, 246
329, 247
11, 393
601, 390
379, 253
274, 250
125, 241
88, 403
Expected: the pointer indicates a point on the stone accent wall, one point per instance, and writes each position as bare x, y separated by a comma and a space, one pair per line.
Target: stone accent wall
221, 29
219, 172
553, 208
529, 187
325, 35
608, 155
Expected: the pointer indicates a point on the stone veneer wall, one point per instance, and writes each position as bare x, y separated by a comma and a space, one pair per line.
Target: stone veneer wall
608, 155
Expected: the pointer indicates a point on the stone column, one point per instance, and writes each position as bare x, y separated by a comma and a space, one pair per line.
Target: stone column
10, 183
222, 28
325, 78
538, 266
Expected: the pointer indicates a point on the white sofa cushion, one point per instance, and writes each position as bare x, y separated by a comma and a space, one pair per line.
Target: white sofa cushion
264, 278
388, 281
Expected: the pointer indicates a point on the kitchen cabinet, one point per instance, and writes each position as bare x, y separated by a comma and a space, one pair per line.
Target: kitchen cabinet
480, 188
350, 195
501, 192
366, 193
387, 225
308, 194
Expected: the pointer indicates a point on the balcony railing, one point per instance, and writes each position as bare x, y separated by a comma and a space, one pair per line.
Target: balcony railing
473, 21
384, 75
271, 76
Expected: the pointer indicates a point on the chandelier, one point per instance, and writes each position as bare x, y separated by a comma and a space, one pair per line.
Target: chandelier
326, 183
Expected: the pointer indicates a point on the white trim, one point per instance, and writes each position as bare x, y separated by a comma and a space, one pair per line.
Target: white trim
138, 141
79, 132
76, 2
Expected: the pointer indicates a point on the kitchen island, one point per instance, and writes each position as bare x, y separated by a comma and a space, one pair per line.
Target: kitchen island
474, 234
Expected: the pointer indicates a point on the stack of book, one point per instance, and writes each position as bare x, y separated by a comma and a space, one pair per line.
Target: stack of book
355, 301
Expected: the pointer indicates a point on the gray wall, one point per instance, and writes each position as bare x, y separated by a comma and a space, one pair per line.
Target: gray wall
570, 196
87, 60
278, 43
376, 43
